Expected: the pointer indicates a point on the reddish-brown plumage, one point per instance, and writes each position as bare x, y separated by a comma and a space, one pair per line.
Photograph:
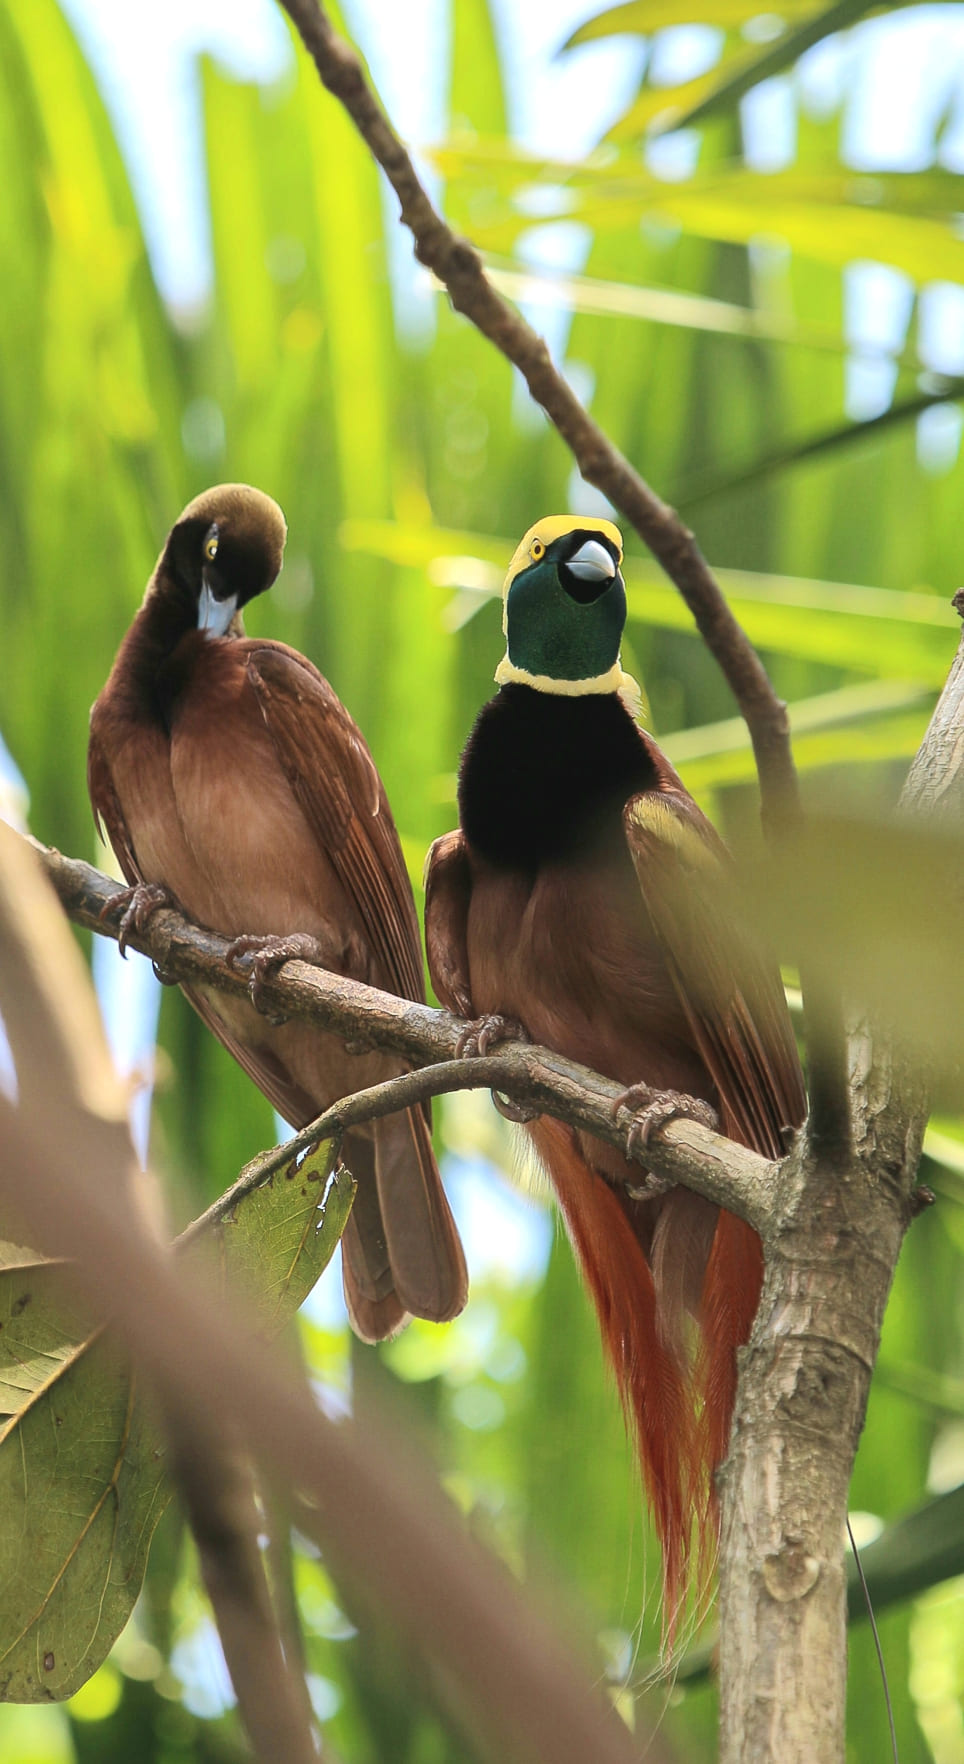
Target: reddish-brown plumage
586, 896
227, 770
655, 1394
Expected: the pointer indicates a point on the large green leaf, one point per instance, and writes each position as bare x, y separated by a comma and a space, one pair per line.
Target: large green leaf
90, 394
82, 1481
828, 213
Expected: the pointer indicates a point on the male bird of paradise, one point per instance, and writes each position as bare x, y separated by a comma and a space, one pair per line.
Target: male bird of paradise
587, 899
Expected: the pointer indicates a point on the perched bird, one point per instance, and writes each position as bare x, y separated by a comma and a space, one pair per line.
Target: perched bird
229, 776
586, 899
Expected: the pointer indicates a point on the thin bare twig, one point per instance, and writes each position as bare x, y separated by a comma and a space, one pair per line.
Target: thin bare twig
681, 1151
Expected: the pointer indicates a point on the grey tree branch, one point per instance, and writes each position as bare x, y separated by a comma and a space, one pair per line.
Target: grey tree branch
681, 1151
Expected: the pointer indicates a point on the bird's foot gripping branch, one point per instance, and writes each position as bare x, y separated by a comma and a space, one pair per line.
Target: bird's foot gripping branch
684, 1150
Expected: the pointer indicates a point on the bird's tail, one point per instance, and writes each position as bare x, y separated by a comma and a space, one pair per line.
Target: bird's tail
654, 1380
731, 1294
401, 1252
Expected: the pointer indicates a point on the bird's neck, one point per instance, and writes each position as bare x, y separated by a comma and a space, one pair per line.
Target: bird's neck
544, 778
168, 615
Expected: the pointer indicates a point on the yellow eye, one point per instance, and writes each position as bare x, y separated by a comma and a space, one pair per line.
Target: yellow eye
537, 550
211, 545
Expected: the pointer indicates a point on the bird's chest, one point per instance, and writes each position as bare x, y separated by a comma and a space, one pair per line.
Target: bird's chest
571, 953
212, 814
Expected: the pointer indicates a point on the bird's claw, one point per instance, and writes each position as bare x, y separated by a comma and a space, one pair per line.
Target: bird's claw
513, 1111
485, 1033
653, 1108
265, 955
138, 903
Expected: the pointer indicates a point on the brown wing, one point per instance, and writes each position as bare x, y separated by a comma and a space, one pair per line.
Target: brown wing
448, 887
268, 1074
334, 780
333, 776
727, 981
108, 814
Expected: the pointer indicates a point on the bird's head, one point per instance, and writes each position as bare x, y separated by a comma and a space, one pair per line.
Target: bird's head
564, 608
226, 547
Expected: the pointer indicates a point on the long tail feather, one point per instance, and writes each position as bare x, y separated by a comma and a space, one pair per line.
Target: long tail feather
731, 1293
424, 1247
654, 1382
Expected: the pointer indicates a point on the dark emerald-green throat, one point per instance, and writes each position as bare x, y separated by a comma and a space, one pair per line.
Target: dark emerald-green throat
566, 611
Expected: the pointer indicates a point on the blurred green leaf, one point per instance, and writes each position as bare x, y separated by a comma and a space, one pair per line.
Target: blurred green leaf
828, 213
816, 447
82, 1483
875, 904
881, 718
641, 17
661, 306
727, 92
921, 1550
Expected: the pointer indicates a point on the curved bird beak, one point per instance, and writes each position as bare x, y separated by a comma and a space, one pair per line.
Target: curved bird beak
213, 615
592, 563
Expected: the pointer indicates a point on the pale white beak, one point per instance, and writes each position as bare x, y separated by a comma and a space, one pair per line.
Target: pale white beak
214, 616
592, 562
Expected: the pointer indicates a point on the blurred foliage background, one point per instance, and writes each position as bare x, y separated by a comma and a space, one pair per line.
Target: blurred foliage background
774, 336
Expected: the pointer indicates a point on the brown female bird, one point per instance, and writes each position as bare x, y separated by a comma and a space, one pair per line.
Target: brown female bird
229, 776
587, 899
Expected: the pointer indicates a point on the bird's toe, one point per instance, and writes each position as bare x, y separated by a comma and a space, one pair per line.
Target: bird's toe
487, 1032
513, 1111
266, 954
135, 906
653, 1108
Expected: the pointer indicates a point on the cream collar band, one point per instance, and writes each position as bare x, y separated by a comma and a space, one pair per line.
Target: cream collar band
614, 680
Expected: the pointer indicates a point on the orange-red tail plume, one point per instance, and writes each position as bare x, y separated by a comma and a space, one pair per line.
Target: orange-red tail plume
678, 1411
731, 1293
656, 1387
